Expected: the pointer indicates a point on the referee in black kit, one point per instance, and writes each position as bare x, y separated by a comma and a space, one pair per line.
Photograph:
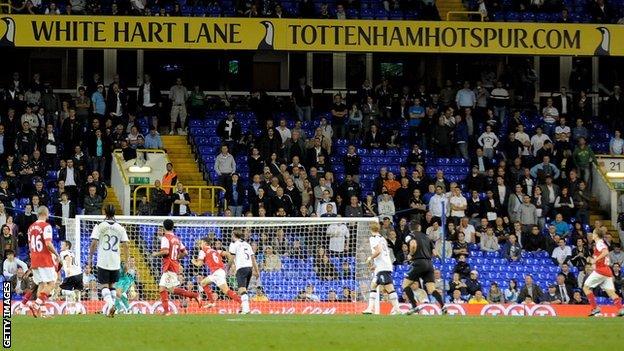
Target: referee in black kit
420, 255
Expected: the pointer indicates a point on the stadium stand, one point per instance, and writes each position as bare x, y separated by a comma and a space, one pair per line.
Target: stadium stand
560, 11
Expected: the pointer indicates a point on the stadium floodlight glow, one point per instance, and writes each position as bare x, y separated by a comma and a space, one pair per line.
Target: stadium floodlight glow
140, 169
615, 174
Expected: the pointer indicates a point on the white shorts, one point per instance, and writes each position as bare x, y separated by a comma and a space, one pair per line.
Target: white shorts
169, 280
218, 277
597, 279
44, 275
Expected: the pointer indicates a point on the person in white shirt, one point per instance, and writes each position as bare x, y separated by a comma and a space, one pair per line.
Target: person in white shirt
338, 234
385, 205
246, 266
562, 132
459, 204
11, 263
382, 267
439, 204
110, 239
468, 230
521, 135
550, 115
72, 285
488, 140
283, 130
537, 141
616, 145
562, 252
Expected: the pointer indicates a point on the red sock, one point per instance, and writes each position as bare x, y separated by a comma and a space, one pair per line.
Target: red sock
26, 297
617, 302
185, 293
164, 299
234, 296
592, 299
208, 293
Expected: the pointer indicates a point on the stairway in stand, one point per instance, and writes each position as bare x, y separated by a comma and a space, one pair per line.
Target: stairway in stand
597, 214
187, 169
444, 6
112, 199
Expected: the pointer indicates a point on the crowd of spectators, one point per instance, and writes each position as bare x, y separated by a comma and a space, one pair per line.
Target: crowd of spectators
56, 150
562, 11
528, 187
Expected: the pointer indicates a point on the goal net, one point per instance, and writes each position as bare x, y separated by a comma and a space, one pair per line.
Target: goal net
307, 265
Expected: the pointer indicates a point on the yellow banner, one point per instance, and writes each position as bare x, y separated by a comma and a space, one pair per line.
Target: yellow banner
311, 35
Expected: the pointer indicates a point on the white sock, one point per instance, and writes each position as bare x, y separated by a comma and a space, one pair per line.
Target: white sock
108, 299
245, 302
394, 300
372, 298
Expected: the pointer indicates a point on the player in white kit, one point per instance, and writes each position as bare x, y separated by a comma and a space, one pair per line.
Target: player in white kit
111, 241
380, 260
72, 284
246, 267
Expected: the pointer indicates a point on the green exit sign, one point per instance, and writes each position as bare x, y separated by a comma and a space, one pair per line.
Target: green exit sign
139, 180
619, 186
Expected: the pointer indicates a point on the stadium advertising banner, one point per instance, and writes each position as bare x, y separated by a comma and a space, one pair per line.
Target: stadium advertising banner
154, 307
310, 35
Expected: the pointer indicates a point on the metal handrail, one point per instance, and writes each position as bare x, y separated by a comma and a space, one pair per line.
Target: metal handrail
211, 188
479, 13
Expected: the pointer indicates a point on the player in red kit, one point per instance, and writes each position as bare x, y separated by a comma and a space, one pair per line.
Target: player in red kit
602, 276
171, 250
213, 259
43, 259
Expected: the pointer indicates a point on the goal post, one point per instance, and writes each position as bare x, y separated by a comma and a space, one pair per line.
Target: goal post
307, 265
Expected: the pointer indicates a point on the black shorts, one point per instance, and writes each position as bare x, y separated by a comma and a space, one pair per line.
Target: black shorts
107, 277
383, 278
421, 269
243, 276
72, 283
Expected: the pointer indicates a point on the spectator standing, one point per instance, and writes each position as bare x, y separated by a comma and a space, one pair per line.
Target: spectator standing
235, 195
303, 99
225, 165
499, 98
149, 100
465, 97
583, 158
338, 234
488, 141
339, 116
229, 130
178, 94
169, 179
83, 106
181, 201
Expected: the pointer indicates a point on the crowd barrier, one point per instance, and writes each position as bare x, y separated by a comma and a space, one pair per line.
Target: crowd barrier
330, 308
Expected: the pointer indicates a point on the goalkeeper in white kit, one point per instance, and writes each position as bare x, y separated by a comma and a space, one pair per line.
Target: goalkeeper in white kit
380, 259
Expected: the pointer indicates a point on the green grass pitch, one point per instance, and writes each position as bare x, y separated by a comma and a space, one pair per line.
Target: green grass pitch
314, 332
